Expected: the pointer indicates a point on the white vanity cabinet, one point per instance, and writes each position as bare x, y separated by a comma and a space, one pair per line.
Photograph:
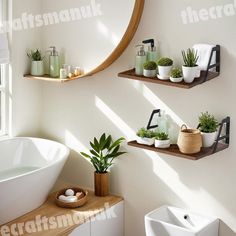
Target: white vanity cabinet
107, 223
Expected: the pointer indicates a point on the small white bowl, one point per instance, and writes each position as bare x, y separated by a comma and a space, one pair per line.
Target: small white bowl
145, 141
176, 80
162, 143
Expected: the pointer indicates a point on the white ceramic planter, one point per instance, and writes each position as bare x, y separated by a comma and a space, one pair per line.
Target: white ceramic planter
189, 73
176, 80
149, 73
37, 68
146, 141
198, 73
164, 72
208, 139
162, 143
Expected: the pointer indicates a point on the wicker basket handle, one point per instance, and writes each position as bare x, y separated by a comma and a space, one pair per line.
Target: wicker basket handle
184, 127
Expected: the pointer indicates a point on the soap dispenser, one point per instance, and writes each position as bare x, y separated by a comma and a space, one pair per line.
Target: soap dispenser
140, 59
152, 54
54, 65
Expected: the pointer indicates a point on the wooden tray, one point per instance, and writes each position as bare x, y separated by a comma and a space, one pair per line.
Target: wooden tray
82, 201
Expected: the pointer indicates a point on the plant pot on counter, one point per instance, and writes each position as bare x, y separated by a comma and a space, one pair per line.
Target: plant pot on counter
37, 68
208, 139
189, 140
101, 184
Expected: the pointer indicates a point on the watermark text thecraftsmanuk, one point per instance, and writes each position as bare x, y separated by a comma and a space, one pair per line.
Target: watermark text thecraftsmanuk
30, 21
190, 15
43, 223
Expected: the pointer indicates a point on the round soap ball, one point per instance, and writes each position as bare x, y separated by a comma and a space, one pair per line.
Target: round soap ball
70, 192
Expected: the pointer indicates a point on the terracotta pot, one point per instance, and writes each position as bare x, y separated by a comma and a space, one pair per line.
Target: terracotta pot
101, 184
190, 140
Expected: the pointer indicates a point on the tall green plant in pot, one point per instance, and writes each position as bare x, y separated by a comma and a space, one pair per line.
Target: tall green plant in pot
190, 68
102, 155
37, 67
208, 125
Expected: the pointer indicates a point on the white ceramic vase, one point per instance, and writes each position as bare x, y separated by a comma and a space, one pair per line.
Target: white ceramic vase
190, 73
149, 73
145, 141
162, 143
37, 68
208, 139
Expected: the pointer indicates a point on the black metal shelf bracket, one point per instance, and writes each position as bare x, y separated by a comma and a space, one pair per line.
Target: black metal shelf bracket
216, 50
225, 122
150, 126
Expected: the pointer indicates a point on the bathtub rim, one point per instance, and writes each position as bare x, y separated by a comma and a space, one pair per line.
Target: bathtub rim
64, 157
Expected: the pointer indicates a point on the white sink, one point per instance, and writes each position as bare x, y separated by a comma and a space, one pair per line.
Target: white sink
172, 221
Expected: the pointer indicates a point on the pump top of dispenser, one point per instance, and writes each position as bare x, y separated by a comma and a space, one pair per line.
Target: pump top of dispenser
54, 51
152, 47
141, 51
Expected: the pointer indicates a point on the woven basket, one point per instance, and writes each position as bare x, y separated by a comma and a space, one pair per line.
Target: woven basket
76, 204
189, 140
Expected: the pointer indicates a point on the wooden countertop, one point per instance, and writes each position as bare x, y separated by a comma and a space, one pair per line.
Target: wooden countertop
93, 207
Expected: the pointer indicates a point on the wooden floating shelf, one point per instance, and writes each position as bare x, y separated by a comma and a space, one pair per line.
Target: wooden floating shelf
174, 150
50, 79
130, 74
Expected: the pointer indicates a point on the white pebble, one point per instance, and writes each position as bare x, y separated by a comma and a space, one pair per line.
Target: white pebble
68, 199
70, 192
62, 198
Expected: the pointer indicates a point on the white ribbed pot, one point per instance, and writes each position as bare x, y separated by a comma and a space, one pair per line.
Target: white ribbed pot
190, 73
149, 73
208, 139
145, 141
164, 71
162, 143
176, 80
37, 68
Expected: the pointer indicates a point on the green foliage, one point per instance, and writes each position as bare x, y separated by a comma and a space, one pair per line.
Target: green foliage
176, 73
165, 61
145, 133
35, 55
190, 57
208, 123
162, 136
150, 65
104, 151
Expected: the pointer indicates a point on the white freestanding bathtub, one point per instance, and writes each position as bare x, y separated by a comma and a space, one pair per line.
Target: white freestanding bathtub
29, 167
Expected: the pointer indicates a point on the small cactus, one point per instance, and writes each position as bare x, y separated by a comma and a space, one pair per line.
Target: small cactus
165, 61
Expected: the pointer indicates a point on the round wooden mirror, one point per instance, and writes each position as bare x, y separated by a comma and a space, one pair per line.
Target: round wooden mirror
94, 33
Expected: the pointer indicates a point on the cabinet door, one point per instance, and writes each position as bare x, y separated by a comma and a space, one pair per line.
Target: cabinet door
109, 223
82, 230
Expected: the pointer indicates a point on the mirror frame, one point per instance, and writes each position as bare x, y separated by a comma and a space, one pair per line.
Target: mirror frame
128, 36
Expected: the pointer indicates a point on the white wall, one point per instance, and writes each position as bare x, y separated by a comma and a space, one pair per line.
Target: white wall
75, 112
25, 95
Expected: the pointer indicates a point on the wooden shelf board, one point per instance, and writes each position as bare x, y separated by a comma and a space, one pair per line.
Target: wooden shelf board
130, 74
174, 150
50, 79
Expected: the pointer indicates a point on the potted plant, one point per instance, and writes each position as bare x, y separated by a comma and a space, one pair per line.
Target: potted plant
150, 69
190, 67
37, 67
176, 75
146, 137
208, 126
103, 153
164, 68
162, 140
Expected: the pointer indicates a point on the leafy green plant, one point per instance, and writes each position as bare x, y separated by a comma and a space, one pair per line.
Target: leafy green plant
165, 61
190, 57
161, 136
176, 73
208, 123
103, 152
35, 55
145, 133
150, 65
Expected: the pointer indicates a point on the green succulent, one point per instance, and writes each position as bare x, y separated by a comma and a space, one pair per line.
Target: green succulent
208, 123
145, 133
104, 151
165, 61
190, 57
176, 73
161, 136
35, 55
150, 65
